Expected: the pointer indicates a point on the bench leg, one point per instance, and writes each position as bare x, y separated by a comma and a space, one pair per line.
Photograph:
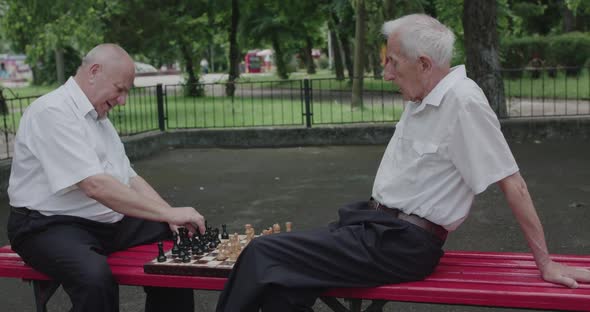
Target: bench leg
376, 306
43, 290
334, 304
355, 305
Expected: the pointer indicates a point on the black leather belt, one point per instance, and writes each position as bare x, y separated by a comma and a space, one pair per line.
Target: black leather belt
433, 228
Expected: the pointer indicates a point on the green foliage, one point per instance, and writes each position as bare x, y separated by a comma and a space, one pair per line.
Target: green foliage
518, 52
571, 49
45, 72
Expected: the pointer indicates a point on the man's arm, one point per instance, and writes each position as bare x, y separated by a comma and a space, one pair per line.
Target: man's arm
139, 201
519, 200
141, 186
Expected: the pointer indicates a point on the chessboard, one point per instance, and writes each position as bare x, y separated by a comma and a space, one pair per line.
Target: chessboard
211, 254
205, 265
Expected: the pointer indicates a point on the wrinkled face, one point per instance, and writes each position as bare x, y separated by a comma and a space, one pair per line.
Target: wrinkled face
110, 86
404, 72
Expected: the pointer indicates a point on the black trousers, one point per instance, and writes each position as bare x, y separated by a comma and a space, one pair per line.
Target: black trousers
288, 271
73, 251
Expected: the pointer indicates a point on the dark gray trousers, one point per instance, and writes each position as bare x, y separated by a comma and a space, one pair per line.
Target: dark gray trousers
73, 251
365, 248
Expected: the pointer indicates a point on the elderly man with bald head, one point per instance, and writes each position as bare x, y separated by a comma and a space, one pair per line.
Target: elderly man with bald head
75, 197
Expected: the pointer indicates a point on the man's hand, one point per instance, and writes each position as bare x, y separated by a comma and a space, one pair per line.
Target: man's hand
562, 274
187, 217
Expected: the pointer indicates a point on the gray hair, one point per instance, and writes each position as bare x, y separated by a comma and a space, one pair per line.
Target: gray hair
420, 34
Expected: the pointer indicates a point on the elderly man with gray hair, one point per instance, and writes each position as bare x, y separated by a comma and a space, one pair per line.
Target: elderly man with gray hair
447, 148
75, 197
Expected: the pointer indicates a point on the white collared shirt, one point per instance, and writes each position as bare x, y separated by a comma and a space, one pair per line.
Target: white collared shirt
59, 143
444, 150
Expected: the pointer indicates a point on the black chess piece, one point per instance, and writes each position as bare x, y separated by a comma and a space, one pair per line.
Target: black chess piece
216, 237
161, 256
224, 234
175, 249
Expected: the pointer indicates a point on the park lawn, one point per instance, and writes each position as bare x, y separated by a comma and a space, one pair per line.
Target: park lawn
222, 112
560, 87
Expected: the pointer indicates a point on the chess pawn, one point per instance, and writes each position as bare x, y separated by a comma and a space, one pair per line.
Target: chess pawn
276, 228
250, 234
247, 228
161, 256
224, 234
288, 226
175, 249
216, 234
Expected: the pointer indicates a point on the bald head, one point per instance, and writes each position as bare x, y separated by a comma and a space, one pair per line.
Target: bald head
105, 76
108, 54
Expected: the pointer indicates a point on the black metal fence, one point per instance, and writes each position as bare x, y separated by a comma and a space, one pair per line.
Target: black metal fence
530, 93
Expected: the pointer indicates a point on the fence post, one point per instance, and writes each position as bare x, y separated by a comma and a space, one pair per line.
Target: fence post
307, 97
160, 100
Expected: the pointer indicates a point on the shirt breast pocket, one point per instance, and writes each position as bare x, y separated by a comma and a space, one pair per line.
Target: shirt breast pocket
423, 149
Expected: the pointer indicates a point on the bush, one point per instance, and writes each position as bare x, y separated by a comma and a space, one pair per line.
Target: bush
518, 52
569, 50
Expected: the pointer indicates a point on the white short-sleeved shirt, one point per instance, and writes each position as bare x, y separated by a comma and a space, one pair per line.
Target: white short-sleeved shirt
60, 142
444, 150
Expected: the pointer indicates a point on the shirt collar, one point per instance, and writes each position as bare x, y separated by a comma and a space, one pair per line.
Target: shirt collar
436, 95
80, 99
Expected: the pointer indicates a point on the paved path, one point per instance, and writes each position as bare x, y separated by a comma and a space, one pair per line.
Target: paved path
307, 185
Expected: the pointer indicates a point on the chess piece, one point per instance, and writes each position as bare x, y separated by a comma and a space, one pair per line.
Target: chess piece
224, 234
175, 244
276, 228
288, 226
216, 236
161, 256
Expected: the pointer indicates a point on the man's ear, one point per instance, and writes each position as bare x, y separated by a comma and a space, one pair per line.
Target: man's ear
93, 71
425, 63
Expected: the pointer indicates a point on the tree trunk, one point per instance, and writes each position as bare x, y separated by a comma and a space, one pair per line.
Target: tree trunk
481, 49
376, 61
343, 45
309, 58
192, 87
234, 52
338, 66
359, 55
569, 20
282, 71
60, 66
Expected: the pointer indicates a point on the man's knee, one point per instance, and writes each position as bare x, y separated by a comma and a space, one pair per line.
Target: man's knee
95, 276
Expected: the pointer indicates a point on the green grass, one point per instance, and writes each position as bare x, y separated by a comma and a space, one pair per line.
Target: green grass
223, 112
10, 93
560, 87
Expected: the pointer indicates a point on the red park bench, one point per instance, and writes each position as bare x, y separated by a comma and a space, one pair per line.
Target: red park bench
492, 279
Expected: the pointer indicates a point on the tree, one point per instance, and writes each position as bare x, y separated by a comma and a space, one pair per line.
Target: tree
481, 47
37, 27
185, 35
359, 55
234, 51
